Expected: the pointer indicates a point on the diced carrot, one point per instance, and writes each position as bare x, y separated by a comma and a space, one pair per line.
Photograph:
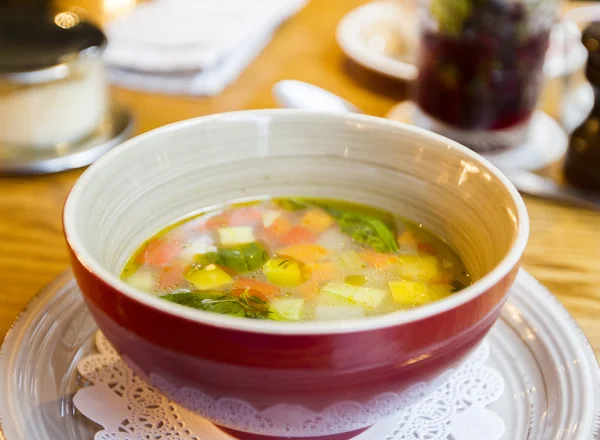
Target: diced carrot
407, 239
171, 276
160, 252
309, 290
245, 216
263, 300
266, 289
377, 259
316, 221
298, 235
215, 222
307, 253
426, 247
280, 226
323, 272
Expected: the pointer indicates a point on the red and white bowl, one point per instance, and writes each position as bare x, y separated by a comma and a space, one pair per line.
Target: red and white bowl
293, 380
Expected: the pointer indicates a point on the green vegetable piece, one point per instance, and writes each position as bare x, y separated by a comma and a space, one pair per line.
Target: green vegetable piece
208, 258
255, 255
234, 258
243, 258
369, 231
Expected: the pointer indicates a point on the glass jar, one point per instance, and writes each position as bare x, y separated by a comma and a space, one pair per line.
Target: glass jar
480, 68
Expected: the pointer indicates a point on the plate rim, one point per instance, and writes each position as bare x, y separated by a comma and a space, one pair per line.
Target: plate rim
568, 323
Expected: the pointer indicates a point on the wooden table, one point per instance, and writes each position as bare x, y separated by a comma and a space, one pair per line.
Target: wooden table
563, 251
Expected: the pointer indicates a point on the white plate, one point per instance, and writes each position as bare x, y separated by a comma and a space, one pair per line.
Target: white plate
552, 378
547, 142
381, 36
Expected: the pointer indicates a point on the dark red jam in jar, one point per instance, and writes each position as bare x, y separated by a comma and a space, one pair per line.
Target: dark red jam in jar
480, 62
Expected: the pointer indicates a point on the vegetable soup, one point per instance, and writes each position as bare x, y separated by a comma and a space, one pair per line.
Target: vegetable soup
296, 260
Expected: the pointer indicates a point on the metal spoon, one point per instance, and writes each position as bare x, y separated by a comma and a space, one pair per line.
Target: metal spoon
305, 96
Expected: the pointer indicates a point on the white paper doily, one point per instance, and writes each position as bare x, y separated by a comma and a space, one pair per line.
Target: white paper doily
128, 409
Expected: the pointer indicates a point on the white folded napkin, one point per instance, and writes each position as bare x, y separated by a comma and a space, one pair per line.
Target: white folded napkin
192, 47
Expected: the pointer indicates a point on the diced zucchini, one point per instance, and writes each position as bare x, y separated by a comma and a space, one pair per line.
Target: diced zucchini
334, 313
289, 309
284, 271
207, 278
235, 235
412, 292
366, 296
143, 280
413, 267
269, 216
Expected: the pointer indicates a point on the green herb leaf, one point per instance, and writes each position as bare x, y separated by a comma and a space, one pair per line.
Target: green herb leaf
456, 286
369, 231
224, 303
291, 204
243, 258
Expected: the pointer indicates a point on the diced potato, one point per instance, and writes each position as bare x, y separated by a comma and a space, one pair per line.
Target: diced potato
289, 309
143, 280
366, 296
209, 277
334, 313
334, 240
284, 271
269, 216
236, 235
413, 267
349, 260
316, 221
412, 292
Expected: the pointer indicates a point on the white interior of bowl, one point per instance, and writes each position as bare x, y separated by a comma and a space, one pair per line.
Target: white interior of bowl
162, 176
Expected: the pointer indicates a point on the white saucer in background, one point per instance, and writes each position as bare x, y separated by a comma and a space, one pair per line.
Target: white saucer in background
381, 36
547, 144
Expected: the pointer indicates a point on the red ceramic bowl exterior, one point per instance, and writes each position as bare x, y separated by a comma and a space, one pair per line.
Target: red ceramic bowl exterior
314, 371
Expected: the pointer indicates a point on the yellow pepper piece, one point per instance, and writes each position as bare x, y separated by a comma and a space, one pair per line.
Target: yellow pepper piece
414, 293
284, 272
209, 277
413, 267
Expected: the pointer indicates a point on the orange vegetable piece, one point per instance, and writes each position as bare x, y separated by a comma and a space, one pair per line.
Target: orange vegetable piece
266, 289
306, 253
171, 276
309, 290
407, 239
323, 272
263, 300
316, 221
377, 259
298, 235
280, 226
215, 222
426, 247
245, 216
160, 252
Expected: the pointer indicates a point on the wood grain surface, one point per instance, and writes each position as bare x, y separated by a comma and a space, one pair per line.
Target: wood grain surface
563, 251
